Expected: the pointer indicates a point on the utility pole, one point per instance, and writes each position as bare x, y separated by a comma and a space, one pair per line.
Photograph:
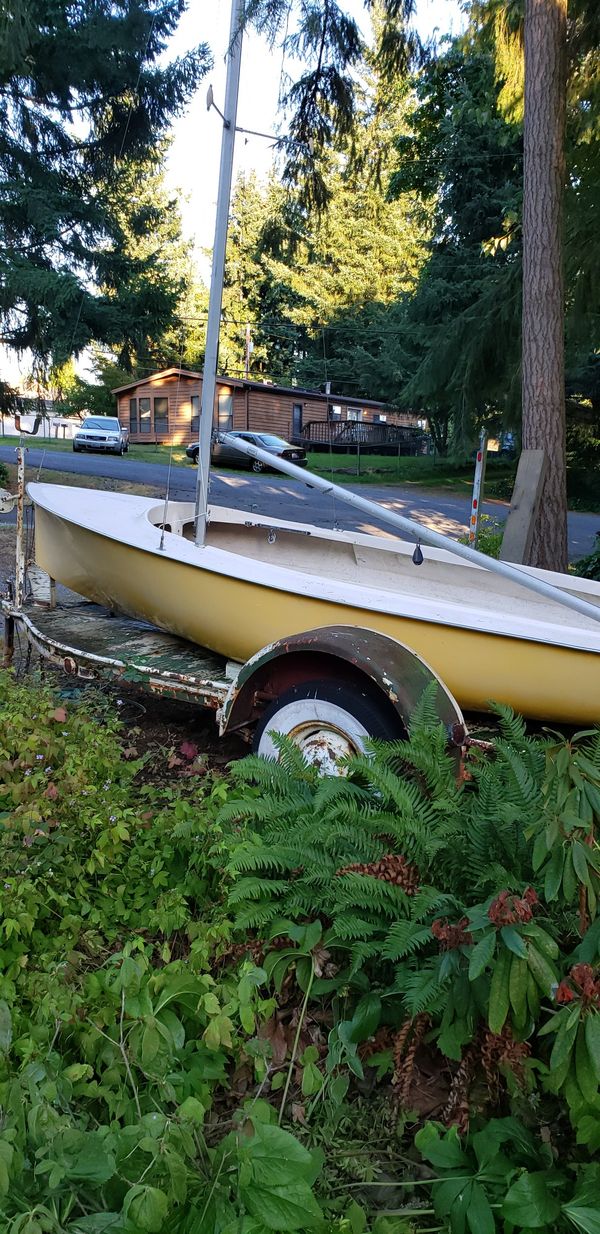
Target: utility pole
249, 348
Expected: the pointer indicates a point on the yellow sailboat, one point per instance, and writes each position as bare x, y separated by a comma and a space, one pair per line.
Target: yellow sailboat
252, 582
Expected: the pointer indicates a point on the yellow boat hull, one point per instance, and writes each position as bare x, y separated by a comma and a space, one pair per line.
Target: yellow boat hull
237, 617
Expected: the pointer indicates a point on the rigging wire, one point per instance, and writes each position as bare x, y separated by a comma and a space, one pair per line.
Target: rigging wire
334, 512
170, 467
283, 51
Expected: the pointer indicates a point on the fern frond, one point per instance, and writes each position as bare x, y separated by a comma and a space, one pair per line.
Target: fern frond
512, 726
422, 990
426, 714
255, 889
352, 926
405, 938
257, 916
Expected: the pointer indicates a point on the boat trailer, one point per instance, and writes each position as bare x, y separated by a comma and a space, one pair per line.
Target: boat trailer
328, 689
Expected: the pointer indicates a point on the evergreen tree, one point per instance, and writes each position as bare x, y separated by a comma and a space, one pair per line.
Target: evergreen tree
255, 293
312, 286
147, 272
323, 103
85, 96
459, 334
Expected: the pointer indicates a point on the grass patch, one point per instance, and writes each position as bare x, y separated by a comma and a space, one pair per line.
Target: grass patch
104, 483
141, 453
424, 472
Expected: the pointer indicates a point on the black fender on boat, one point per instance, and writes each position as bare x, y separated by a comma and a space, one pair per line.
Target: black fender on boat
392, 673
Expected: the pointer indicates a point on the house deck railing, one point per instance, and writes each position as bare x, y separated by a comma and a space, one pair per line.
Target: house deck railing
350, 434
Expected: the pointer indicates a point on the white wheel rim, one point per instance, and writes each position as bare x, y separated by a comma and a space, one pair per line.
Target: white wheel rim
323, 731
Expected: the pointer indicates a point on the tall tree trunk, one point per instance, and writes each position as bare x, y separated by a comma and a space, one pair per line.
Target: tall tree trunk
543, 284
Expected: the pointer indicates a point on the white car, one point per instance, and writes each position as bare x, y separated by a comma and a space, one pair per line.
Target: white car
102, 433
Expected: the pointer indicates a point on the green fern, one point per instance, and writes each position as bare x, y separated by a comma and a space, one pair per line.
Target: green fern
293, 833
405, 938
422, 990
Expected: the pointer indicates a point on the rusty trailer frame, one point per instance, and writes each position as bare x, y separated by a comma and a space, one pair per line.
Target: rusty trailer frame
91, 643
87, 641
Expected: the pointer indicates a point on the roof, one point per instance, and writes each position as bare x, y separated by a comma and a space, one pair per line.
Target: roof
167, 372
242, 383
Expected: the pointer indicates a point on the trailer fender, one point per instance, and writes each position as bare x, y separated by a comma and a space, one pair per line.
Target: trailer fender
392, 673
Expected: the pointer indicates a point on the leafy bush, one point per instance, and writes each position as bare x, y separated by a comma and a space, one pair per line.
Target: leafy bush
3, 476
183, 967
116, 1041
583, 466
490, 536
504, 1169
589, 567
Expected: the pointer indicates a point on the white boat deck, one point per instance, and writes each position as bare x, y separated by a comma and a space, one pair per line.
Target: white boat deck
343, 566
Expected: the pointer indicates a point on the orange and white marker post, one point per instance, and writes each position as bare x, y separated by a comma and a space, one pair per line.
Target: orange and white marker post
478, 483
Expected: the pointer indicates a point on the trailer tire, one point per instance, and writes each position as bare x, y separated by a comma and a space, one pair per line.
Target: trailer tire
326, 721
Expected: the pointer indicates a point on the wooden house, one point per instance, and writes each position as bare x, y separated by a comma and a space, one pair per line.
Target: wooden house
165, 408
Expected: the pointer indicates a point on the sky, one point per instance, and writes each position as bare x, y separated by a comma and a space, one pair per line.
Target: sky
193, 166
193, 163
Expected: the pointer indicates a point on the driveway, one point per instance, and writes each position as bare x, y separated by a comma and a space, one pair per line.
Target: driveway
281, 497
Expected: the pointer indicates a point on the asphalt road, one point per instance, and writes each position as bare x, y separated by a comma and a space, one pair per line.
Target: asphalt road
281, 497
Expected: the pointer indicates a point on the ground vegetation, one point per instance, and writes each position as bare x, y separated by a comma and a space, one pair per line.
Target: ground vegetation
262, 1001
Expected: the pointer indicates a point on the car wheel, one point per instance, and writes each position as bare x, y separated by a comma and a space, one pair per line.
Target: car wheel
75, 449
327, 722
121, 449
257, 466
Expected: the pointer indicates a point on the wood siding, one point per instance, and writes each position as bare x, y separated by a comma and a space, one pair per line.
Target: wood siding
263, 409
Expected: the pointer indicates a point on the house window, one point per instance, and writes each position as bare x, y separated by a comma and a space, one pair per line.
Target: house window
195, 420
161, 417
354, 413
145, 415
335, 411
297, 410
133, 422
225, 406
380, 419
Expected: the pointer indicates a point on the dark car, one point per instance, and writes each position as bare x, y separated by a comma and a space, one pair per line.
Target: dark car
225, 455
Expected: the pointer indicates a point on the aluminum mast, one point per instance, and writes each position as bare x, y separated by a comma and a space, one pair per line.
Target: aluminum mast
209, 382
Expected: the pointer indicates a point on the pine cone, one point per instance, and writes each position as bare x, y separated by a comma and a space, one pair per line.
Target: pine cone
392, 868
399, 1043
501, 1048
451, 936
457, 1112
405, 1071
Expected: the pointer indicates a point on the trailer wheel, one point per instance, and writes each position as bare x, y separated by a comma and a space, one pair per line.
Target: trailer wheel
326, 721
